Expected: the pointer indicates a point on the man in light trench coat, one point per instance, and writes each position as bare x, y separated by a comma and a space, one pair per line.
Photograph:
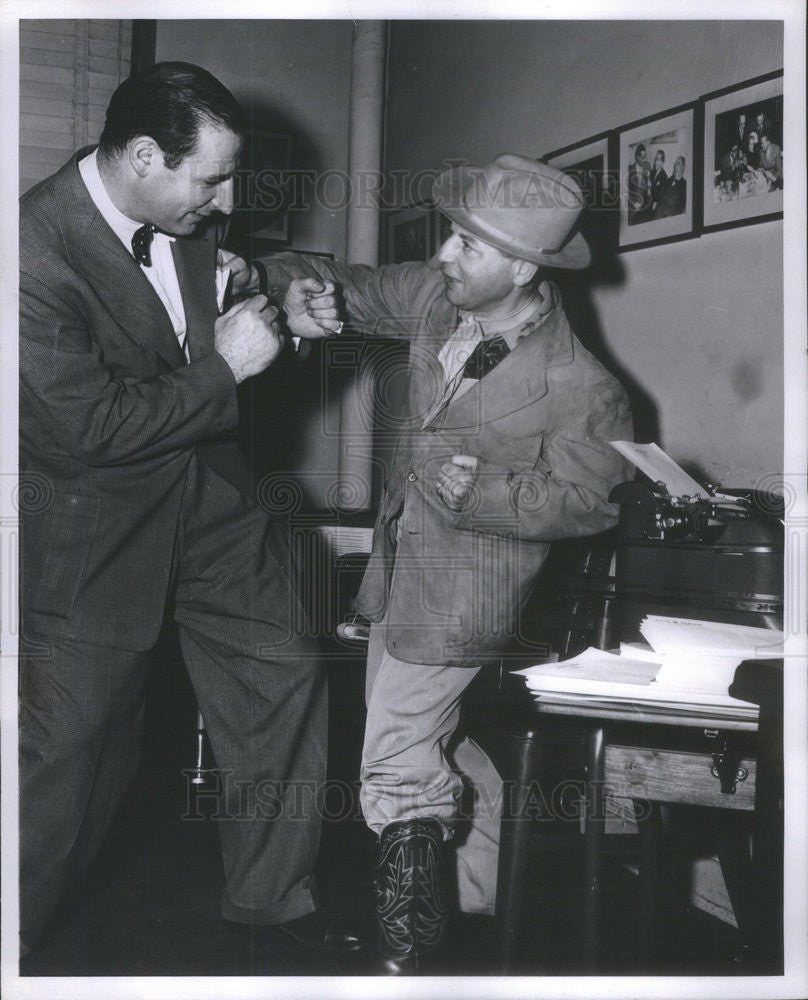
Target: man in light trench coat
504, 450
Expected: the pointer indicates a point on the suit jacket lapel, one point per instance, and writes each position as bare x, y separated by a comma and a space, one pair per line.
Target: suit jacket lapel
99, 256
129, 294
195, 263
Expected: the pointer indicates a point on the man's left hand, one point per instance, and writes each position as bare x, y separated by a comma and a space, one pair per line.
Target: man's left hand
245, 279
456, 479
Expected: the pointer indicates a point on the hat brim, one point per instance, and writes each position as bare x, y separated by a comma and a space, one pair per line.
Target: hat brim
575, 255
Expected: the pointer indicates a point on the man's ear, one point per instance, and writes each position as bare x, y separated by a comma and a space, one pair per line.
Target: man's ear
144, 154
523, 272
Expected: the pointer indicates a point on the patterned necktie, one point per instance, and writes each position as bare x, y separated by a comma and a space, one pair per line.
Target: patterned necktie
141, 244
485, 356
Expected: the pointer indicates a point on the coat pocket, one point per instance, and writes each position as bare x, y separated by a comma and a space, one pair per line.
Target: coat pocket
55, 553
517, 452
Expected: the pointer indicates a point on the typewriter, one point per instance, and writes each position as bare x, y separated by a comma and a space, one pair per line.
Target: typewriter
712, 555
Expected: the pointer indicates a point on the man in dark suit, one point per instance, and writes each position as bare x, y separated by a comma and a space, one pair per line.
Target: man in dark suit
127, 420
673, 200
659, 178
639, 186
736, 132
761, 124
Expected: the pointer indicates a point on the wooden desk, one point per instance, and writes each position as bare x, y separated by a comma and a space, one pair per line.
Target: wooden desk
633, 744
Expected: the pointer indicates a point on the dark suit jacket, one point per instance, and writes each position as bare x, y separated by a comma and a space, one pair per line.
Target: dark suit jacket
111, 415
658, 182
674, 198
639, 187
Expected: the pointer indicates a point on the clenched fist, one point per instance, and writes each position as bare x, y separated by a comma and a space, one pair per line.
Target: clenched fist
247, 337
456, 479
311, 308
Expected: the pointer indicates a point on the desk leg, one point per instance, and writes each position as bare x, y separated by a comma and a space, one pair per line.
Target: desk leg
595, 832
649, 827
732, 831
514, 843
767, 851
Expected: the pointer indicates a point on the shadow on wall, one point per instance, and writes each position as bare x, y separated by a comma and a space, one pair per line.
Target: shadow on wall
606, 271
282, 175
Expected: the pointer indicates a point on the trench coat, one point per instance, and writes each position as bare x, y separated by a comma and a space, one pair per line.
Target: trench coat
452, 585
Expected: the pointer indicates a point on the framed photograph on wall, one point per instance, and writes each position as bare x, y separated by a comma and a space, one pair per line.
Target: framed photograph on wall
659, 173
743, 153
263, 188
590, 163
409, 235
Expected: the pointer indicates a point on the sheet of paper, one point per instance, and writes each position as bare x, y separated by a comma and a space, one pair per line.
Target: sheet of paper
652, 460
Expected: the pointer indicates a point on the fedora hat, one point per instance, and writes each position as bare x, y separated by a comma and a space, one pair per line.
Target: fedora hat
518, 205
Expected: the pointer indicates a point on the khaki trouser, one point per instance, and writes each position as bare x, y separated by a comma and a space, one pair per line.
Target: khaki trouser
414, 766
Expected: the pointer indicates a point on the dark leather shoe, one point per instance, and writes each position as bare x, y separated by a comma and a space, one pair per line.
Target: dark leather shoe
320, 931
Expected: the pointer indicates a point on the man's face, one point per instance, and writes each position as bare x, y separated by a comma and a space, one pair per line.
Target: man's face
741, 123
201, 185
639, 154
658, 161
678, 168
477, 276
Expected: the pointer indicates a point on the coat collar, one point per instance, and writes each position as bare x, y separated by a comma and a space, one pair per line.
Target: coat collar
96, 253
518, 379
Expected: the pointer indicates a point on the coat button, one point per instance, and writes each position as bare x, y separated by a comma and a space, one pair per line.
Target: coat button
411, 476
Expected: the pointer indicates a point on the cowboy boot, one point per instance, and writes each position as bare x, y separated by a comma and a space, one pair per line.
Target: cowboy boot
411, 906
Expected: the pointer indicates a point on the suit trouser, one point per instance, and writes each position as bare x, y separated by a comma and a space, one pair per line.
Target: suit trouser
414, 765
261, 690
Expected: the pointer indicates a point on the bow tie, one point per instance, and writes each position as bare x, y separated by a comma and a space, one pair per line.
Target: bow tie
485, 356
141, 244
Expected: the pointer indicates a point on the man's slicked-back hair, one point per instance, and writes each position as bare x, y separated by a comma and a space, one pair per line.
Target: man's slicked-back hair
170, 102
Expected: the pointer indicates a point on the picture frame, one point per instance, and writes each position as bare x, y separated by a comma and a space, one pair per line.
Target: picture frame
657, 208
263, 188
409, 234
741, 182
591, 163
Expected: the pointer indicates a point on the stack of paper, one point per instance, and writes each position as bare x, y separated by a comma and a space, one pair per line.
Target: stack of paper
594, 672
703, 655
691, 666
